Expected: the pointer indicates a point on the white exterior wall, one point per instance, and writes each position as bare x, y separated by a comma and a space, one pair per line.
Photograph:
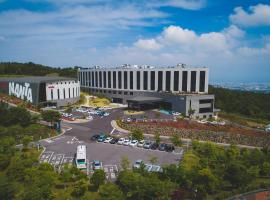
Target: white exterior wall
172, 70
62, 85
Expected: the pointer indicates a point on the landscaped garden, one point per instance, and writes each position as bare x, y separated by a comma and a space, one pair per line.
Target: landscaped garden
195, 131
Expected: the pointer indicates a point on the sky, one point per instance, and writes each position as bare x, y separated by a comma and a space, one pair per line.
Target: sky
231, 37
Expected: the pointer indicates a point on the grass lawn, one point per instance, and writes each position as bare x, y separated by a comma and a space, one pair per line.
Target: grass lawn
98, 102
133, 112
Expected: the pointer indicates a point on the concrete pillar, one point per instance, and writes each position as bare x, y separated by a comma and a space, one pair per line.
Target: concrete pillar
164, 80
156, 80
197, 80
172, 81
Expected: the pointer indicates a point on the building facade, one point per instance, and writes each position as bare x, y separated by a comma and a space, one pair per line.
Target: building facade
58, 91
178, 88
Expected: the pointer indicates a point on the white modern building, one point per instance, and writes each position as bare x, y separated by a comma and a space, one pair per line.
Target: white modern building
42, 90
177, 88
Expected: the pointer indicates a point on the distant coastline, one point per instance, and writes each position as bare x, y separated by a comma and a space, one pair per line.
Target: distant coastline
249, 87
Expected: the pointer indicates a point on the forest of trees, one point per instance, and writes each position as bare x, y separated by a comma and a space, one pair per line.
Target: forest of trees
205, 172
32, 69
249, 104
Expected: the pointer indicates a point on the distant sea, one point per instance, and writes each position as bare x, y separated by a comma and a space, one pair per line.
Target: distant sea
253, 87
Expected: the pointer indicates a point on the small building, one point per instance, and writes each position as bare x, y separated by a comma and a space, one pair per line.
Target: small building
42, 90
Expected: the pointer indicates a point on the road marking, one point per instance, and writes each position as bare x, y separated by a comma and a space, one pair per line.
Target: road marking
112, 131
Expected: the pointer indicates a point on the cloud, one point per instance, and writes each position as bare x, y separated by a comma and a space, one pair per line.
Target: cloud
184, 4
150, 44
258, 15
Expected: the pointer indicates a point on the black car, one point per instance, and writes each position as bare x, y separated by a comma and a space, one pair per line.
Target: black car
114, 141
169, 148
154, 146
162, 147
94, 137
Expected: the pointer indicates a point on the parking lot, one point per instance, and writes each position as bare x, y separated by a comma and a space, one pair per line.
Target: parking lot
61, 150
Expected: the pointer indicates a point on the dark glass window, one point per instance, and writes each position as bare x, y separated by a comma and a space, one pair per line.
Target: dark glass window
58, 94
138, 80
51, 94
125, 80
202, 81
93, 79
193, 81
64, 93
176, 81
96, 78
105, 79
160, 80
152, 85
119, 79
131, 80
205, 101
109, 79
100, 79
145, 80
68, 92
205, 110
184, 81
168, 80
114, 79
89, 79
73, 92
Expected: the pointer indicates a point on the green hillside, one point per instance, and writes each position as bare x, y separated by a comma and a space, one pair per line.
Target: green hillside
32, 69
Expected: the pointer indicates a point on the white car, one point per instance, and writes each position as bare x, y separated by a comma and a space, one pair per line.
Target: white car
121, 141
108, 139
126, 142
106, 114
128, 120
133, 143
141, 143
137, 164
176, 113
89, 117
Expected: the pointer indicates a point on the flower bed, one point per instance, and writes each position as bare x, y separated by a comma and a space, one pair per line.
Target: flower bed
214, 134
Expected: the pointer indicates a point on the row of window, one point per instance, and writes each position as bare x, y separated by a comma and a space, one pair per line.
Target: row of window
111, 92
109, 80
67, 93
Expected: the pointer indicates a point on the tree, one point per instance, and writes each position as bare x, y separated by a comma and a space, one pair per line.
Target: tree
17, 115
153, 160
110, 191
26, 140
98, 178
7, 189
157, 138
125, 163
137, 135
176, 140
79, 188
190, 112
51, 116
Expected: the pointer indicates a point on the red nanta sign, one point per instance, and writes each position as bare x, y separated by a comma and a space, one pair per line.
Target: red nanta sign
3, 85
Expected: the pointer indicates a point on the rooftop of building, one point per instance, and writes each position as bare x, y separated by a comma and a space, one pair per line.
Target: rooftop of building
129, 66
36, 79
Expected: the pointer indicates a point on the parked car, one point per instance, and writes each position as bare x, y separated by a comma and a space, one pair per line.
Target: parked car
147, 144
162, 147
126, 142
128, 120
114, 141
176, 113
154, 146
94, 137
133, 143
140, 143
108, 140
121, 141
102, 137
96, 164
137, 164
106, 114
169, 147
